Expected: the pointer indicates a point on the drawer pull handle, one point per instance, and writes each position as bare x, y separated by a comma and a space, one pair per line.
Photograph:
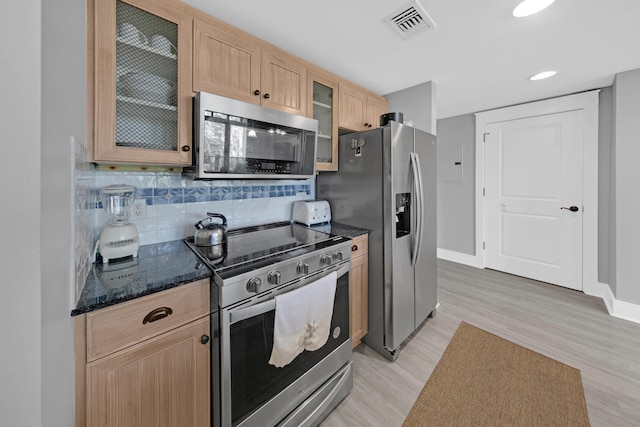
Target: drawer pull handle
157, 314
354, 248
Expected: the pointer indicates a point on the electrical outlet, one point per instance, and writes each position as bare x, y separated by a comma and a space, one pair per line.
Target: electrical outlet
139, 209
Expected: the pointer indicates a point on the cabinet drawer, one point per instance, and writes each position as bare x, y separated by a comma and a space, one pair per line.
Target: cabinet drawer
122, 325
360, 246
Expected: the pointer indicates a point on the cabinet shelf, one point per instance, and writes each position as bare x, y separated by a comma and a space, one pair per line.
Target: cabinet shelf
321, 104
146, 48
144, 103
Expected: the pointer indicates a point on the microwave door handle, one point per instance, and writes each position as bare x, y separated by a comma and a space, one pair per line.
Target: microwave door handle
254, 310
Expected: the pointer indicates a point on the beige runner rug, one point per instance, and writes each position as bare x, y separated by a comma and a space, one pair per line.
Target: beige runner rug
485, 380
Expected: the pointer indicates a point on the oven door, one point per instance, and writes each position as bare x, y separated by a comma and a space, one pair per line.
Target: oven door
253, 392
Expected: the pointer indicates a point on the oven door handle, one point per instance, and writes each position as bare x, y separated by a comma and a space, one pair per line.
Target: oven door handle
258, 309
254, 310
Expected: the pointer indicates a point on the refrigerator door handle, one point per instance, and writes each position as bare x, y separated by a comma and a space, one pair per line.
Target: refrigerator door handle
417, 181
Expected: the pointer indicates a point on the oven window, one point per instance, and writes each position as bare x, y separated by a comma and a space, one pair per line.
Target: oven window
253, 380
241, 145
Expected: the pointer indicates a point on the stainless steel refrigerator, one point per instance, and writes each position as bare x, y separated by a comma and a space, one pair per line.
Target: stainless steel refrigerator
386, 182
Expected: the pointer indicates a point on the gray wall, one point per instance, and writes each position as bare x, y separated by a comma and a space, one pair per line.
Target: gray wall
43, 85
20, 349
626, 107
604, 185
456, 184
456, 198
63, 116
417, 104
611, 268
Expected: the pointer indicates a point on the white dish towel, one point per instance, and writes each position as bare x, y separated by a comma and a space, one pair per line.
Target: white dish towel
303, 319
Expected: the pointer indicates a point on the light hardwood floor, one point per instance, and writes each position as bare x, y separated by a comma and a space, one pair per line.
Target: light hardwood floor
560, 323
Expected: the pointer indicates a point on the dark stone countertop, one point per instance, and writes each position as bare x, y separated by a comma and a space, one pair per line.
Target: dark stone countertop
349, 231
158, 267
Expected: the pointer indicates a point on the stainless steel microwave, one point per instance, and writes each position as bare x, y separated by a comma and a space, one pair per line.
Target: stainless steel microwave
237, 140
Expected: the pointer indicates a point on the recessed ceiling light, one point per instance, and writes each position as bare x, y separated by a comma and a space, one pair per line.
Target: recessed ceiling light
543, 75
529, 7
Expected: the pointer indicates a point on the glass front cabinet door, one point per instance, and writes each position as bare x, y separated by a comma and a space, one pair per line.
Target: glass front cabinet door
324, 101
142, 83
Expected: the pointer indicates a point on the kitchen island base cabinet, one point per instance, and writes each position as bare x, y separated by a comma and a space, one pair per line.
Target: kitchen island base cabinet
359, 288
146, 362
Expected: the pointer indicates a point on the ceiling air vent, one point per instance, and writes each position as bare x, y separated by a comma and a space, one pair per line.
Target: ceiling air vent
410, 20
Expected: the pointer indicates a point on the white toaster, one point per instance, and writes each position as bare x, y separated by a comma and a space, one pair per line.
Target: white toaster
310, 212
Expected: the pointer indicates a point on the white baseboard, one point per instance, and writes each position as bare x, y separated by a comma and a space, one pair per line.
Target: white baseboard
459, 257
617, 308
603, 291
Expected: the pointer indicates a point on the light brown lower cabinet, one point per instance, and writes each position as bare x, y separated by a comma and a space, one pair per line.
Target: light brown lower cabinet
359, 288
162, 379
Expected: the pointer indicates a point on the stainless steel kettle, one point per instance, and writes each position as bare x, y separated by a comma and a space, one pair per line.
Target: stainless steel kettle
209, 233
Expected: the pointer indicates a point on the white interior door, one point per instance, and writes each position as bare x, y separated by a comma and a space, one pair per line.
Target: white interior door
533, 197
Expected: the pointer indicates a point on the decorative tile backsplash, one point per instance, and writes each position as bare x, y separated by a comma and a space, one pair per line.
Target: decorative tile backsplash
166, 196
175, 204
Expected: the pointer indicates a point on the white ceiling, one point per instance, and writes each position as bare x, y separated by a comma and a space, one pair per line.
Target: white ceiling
479, 56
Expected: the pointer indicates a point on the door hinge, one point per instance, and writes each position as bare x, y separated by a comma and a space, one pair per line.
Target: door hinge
484, 136
483, 191
484, 245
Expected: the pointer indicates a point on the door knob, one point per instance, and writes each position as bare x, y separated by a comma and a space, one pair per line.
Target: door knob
571, 208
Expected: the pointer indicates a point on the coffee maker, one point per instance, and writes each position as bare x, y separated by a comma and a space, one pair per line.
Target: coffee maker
119, 238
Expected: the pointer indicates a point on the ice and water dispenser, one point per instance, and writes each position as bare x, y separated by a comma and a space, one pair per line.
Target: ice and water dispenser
403, 214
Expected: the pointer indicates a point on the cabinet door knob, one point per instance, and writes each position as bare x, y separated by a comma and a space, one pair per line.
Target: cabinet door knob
204, 339
186, 148
354, 248
256, 92
266, 96
157, 314
366, 125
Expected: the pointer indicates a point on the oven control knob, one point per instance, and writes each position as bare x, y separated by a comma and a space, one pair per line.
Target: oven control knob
337, 255
253, 285
326, 259
302, 268
274, 278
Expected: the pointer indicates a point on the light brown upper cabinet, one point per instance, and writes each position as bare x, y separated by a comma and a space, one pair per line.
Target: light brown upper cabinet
323, 104
141, 86
230, 63
359, 108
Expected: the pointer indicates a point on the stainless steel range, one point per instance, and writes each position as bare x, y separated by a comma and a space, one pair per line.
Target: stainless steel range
258, 264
